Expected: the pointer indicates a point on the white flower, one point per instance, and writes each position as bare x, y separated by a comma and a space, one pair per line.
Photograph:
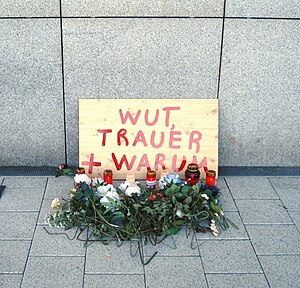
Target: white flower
123, 186
111, 194
103, 190
179, 213
132, 189
216, 234
82, 178
221, 213
55, 203
205, 196
97, 181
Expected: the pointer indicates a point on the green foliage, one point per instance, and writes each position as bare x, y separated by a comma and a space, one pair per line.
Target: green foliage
151, 212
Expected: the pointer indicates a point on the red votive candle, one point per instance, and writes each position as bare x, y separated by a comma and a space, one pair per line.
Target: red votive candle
151, 179
211, 178
80, 170
108, 176
192, 174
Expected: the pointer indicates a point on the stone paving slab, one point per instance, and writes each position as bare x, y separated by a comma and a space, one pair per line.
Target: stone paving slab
285, 182
29, 8
17, 199
115, 281
14, 255
10, 281
56, 245
17, 225
174, 245
59, 186
266, 8
281, 271
274, 239
231, 233
23, 183
110, 259
263, 212
54, 272
164, 272
226, 198
229, 257
251, 188
296, 218
237, 280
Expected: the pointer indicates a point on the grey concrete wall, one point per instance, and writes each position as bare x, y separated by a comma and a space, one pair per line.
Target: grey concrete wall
246, 53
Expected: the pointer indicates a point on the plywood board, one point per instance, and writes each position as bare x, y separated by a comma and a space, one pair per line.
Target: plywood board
137, 134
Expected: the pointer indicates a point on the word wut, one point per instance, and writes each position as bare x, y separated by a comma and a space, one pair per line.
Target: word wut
168, 139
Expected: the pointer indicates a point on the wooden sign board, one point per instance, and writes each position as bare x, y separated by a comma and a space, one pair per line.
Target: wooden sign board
137, 134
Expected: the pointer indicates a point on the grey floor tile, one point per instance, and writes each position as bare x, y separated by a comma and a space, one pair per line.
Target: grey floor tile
184, 271
290, 196
142, 8
14, 199
251, 187
282, 271
15, 255
54, 272
263, 212
10, 281
59, 186
237, 281
116, 281
296, 218
285, 182
231, 232
110, 259
226, 198
17, 225
266, 8
274, 239
174, 245
25, 182
1, 180
56, 245
229, 257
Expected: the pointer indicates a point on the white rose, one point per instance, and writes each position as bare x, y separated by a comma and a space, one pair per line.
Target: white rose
110, 194
179, 213
103, 190
82, 178
97, 181
132, 189
123, 186
55, 203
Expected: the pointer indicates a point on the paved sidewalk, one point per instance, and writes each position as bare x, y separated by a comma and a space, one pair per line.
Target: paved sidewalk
263, 252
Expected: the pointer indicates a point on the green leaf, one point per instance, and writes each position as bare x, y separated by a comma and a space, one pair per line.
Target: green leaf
188, 200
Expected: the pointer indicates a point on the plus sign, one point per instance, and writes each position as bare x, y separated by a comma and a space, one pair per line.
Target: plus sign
91, 163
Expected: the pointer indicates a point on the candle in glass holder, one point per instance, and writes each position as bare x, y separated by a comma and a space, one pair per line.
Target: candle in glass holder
80, 170
211, 178
151, 179
130, 178
192, 174
108, 176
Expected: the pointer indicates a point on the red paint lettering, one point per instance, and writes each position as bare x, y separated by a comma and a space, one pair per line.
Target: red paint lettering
121, 134
202, 164
140, 137
104, 131
130, 116
162, 139
173, 138
147, 118
159, 160
168, 112
123, 160
195, 137
144, 162
91, 163
182, 165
